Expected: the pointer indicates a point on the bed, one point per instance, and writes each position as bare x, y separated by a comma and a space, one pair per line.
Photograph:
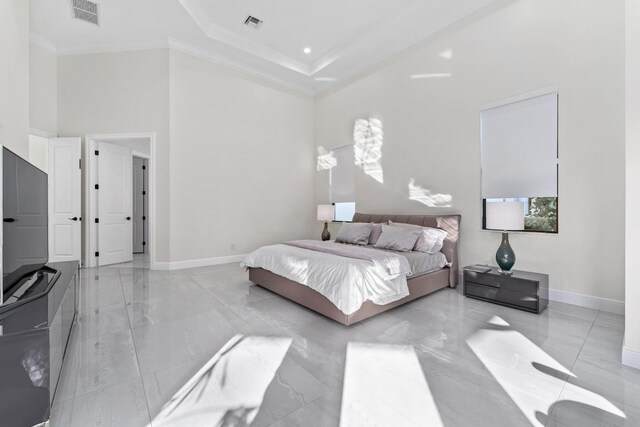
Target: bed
418, 285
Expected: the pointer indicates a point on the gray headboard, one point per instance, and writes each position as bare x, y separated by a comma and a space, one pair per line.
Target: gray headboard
449, 223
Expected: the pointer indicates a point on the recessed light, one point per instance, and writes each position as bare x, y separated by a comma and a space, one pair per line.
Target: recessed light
307, 50
325, 79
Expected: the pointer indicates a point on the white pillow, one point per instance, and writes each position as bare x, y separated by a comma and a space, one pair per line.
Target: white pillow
356, 233
430, 241
400, 239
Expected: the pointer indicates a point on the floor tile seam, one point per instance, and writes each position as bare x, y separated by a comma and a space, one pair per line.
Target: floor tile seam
135, 349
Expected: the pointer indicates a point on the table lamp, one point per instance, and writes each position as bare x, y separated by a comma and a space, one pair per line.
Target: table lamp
325, 213
505, 216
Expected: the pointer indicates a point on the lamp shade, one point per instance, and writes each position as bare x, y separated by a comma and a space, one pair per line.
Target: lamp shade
325, 212
505, 215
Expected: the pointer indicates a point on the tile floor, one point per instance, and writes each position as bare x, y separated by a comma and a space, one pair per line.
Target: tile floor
142, 334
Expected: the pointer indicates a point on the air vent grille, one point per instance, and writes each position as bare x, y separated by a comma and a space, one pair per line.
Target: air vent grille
85, 10
253, 22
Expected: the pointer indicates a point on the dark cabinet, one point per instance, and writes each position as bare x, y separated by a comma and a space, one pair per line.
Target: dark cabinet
523, 290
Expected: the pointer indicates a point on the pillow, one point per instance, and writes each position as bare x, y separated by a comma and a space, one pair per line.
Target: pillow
376, 231
431, 240
356, 233
400, 239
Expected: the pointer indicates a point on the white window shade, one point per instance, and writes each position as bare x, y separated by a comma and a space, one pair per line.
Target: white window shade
343, 179
520, 149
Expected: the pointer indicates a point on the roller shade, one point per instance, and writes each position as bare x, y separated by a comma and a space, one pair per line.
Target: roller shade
520, 149
343, 179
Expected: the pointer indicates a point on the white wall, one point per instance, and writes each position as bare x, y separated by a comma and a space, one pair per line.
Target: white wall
43, 89
242, 162
122, 92
14, 76
631, 352
432, 130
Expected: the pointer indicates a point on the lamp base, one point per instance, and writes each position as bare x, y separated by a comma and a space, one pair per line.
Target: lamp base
505, 273
505, 257
325, 232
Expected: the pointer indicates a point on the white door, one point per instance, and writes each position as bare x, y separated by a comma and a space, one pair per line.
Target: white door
138, 205
114, 204
65, 238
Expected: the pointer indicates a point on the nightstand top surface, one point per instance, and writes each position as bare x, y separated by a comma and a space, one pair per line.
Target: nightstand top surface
518, 274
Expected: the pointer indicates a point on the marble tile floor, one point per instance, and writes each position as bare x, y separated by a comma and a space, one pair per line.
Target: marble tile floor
142, 335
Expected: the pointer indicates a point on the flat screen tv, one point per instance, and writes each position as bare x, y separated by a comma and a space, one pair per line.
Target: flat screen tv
25, 246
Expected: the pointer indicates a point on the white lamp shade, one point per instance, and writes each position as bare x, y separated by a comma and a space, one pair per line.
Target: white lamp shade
505, 215
325, 212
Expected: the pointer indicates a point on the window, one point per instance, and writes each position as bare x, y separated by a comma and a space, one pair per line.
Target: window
520, 159
343, 182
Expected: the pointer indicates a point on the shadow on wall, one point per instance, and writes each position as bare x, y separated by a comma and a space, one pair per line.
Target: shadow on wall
368, 138
426, 197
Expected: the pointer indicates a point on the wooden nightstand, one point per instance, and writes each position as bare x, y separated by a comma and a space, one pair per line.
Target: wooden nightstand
522, 290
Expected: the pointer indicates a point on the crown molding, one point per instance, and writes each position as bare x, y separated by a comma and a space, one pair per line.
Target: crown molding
42, 42
128, 46
209, 56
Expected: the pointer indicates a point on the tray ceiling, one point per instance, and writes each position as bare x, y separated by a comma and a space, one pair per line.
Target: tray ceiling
344, 38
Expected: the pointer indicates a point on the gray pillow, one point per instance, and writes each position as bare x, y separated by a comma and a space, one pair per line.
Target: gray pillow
400, 239
356, 233
376, 231
430, 241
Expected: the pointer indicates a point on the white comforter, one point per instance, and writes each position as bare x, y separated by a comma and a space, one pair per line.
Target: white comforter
346, 282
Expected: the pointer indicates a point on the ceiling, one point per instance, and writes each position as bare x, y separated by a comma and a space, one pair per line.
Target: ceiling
344, 37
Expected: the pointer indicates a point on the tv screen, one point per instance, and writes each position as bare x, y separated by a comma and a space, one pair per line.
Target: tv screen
25, 219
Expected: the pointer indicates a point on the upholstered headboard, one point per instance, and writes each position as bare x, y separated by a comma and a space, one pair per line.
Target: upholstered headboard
449, 223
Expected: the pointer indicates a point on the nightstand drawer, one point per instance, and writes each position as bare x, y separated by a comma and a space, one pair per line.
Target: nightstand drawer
503, 282
502, 294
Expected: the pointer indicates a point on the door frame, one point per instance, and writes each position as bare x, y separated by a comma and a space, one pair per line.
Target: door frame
89, 231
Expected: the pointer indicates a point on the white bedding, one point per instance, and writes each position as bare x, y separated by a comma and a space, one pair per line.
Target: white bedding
346, 282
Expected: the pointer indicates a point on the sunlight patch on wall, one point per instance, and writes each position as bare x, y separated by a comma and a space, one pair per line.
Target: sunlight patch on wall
229, 388
326, 159
427, 198
384, 385
534, 380
368, 138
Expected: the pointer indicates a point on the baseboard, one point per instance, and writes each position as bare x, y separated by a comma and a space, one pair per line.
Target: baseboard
604, 304
631, 357
193, 263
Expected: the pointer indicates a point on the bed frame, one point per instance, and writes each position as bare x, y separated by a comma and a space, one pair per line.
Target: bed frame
418, 286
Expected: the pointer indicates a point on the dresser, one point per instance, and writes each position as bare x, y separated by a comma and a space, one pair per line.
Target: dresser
523, 290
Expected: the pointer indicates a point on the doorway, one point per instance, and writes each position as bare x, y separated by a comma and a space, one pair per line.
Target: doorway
110, 205
140, 205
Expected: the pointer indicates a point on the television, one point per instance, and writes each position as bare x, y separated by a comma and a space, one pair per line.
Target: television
25, 246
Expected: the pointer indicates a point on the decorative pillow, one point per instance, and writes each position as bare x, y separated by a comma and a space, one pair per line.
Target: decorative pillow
430, 241
401, 239
356, 233
376, 231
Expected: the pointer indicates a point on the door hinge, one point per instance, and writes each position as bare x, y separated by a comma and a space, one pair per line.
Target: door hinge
143, 167
144, 193
97, 152
97, 254
144, 243
97, 187
97, 220
79, 163
144, 218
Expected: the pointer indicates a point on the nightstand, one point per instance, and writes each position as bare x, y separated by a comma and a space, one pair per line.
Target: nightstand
522, 290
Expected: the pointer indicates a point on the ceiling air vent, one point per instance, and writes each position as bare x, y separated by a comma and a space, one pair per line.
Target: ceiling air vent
85, 10
252, 22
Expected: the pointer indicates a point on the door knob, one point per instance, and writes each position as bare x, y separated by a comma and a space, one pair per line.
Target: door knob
128, 218
8, 220
75, 218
